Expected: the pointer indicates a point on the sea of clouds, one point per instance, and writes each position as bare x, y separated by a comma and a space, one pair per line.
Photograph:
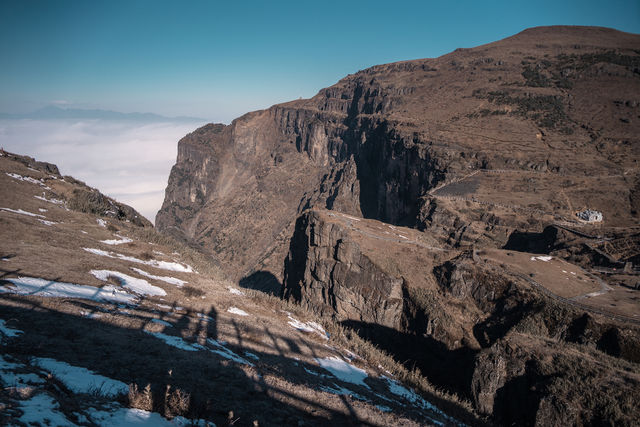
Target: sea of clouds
127, 160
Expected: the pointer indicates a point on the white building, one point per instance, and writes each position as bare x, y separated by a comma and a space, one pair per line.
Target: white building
590, 215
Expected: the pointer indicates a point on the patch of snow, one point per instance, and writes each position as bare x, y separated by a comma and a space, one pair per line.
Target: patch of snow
158, 252
49, 288
343, 391
19, 380
118, 416
21, 212
90, 315
383, 369
344, 371
6, 259
309, 371
162, 322
10, 378
83, 232
399, 390
235, 310
171, 280
236, 291
81, 380
544, 258
223, 351
54, 201
251, 355
164, 265
309, 327
139, 286
42, 210
8, 331
166, 307
25, 178
573, 273
205, 317
41, 407
118, 241
101, 222
564, 271
176, 342
45, 222
401, 236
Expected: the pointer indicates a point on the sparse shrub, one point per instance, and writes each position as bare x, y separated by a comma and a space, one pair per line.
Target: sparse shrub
112, 228
140, 399
87, 201
145, 256
176, 402
534, 78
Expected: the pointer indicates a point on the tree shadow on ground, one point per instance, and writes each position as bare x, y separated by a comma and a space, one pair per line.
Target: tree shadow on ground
263, 281
165, 373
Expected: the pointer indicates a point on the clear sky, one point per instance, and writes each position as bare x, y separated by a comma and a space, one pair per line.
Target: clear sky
217, 60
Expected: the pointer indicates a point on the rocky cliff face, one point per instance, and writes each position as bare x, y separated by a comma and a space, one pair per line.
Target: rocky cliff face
327, 272
559, 101
471, 325
426, 168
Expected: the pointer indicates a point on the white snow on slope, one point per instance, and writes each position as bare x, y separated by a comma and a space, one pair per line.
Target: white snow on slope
223, 351
21, 212
310, 327
164, 265
45, 222
48, 288
218, 349
26, 179
171, 280
399, 390
81, 380
162, 322
235, 291
542, 258
118, 416
176, 342
10, 378
54, 201
119, 241
344, 371
139, 286
7, 331
236, 310
101, 222
43, 407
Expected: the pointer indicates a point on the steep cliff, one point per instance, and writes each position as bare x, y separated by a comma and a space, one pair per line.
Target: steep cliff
471, 323
554, 107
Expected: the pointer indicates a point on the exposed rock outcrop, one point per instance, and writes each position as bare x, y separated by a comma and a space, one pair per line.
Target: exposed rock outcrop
469, 324
327, 272
377, 142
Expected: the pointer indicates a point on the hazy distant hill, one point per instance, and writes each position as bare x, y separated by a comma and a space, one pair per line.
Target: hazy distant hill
52, 112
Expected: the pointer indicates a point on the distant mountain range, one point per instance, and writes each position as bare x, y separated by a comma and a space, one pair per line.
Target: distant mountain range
52, 112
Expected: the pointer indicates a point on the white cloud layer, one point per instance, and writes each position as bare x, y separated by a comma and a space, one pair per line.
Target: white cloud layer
128, 161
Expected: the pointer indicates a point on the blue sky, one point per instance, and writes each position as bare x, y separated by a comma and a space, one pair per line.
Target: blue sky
218, 60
